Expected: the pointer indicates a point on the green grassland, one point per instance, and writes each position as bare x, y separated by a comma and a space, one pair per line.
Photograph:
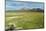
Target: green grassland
25, 20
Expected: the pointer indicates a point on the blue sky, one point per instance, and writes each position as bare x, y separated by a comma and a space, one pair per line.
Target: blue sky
13, 5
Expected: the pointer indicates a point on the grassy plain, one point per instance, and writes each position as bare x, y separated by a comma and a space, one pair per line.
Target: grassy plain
25, 20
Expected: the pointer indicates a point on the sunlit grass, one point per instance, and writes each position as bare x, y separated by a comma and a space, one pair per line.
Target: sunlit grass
25, 20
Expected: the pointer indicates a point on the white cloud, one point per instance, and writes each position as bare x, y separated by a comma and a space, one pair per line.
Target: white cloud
31, 0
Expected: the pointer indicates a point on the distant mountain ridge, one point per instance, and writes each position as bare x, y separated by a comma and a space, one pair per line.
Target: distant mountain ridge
27, 10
